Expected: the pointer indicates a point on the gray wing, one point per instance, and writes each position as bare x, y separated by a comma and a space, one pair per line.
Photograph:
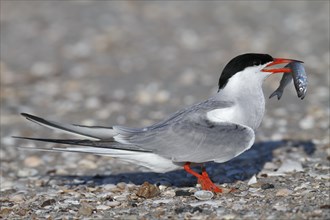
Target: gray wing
190, 136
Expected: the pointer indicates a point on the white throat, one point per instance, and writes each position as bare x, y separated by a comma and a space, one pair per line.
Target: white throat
244, 89
245, 83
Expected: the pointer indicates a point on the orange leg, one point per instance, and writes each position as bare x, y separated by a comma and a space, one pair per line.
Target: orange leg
203, 179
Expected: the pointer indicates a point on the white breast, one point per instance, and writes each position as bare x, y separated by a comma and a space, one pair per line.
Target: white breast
232, 114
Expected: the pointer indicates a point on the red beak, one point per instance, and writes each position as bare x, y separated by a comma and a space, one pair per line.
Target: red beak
279, 61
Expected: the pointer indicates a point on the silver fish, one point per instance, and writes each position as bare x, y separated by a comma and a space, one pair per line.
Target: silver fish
299, 77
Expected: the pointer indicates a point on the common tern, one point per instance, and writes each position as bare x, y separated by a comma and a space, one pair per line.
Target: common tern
217, 129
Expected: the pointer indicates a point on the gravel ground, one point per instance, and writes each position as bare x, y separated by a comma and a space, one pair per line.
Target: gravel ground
133, 63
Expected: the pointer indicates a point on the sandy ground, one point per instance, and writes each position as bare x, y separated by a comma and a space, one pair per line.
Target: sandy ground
133, 63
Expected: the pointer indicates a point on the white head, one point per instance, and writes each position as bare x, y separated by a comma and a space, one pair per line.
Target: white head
244, 75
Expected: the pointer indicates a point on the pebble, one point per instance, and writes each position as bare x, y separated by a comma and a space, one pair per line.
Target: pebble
5, 211
280, 207
212, 203
102, 207
27, 172
237, 207
182, 193
169, 193
270, 166
32, 161
267, 186
120, 198
121, 185
42, 69
162, 188
319, 176
88, 164
307, 123
229, 217
113, 203
109, 187
18, 198
253, 180
162, 96
48, 202
85, 209
5, 185
147, 190
283, 192
70, 201
162, 201
203, 195
289, 165
302, 186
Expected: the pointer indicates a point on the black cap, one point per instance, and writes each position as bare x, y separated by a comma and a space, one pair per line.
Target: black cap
240, 62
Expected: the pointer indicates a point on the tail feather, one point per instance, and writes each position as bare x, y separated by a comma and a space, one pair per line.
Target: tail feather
108, 144
104, 141
91, 132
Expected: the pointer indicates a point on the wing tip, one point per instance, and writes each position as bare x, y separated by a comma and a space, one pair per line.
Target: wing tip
29, 116
25, 114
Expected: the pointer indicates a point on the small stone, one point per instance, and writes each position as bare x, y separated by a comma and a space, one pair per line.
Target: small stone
169, 193
203, 195
71, 202
270, 166
290, 166
162, 96
109, 187
48, 202
162, 188
85, 209
120, 198
106, 196
22, 212
237, 207
4, 211
113, 203
256, 185
121, 185
325, 206
283, 192
307, 123
143, 97
253, 180
182, 193
229, 217
162, 201
88, 164
212, 203
102, 207
25, 172
267, 186
280, 207
147, 190
42, 69
32, 161
18, 198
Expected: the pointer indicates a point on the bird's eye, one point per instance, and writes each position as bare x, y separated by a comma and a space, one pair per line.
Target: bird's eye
256, 63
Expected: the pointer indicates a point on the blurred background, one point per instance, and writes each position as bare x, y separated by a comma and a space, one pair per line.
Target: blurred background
135, 62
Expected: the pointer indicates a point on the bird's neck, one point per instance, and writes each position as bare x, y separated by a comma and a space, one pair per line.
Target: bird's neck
246, 84
248, 98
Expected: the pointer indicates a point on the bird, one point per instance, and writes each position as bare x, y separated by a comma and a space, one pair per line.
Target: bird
214, 130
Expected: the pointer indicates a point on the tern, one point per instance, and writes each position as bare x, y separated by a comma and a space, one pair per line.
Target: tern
217, 129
